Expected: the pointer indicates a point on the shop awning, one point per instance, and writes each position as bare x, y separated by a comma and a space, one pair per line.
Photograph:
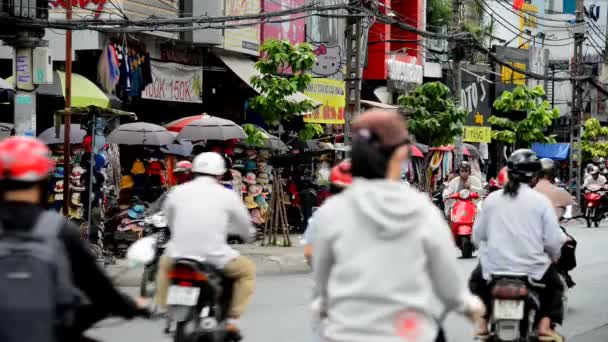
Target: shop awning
244, 68
559, 151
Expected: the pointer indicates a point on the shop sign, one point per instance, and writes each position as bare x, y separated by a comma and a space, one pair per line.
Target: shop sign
477, 134
96, 5
292, 30
175, 82
405, 70
245, 39
332, 94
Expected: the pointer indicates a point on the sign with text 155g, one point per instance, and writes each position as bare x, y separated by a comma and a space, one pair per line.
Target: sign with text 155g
175, 82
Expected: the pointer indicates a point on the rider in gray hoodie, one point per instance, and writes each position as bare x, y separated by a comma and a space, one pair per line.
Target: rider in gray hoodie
383, 253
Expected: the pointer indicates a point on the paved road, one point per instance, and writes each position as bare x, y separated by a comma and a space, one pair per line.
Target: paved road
280, 307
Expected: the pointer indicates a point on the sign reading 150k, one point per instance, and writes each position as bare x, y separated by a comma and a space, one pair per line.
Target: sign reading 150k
477, 134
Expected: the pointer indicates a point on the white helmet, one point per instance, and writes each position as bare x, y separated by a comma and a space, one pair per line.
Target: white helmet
209, 163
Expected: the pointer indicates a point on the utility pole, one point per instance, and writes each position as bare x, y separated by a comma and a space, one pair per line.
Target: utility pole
577, 101
353, 72
456, 73
67, 124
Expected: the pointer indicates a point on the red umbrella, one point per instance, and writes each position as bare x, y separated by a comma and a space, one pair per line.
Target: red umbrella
450, 148
416, 152
179, 124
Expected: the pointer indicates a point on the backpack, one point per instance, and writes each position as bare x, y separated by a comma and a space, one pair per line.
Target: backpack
37, 296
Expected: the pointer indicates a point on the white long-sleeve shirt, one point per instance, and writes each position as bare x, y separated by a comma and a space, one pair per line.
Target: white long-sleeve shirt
201, 214
518, 234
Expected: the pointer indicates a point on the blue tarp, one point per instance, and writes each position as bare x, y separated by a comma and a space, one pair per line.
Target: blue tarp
558, 151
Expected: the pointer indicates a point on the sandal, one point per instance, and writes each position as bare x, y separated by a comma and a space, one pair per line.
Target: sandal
551, 338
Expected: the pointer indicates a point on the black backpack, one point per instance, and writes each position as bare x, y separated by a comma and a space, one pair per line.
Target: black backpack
37, 295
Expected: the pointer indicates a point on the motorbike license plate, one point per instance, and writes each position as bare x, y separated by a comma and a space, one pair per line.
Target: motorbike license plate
182, 295
508, 309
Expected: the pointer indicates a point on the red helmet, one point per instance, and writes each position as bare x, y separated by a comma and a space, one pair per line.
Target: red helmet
183, 166
502, 177
341, 174
24, 159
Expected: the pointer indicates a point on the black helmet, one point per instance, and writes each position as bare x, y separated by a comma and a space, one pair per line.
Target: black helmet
523, 164
465, 166
548, 168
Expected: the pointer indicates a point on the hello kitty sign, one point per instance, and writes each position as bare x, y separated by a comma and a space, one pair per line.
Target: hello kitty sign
329, 60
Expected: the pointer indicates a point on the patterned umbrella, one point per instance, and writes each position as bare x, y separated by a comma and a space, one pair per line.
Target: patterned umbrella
179, 124
77, 135
140, 133
84, 92
212, 128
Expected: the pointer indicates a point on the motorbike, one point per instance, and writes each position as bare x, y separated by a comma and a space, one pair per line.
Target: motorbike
515, 304
593, 203
462, 216
198, 300
155, 226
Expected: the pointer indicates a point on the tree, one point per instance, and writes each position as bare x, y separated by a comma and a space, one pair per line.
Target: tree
594, 139
275, 87
538, 112
438, 14
434, 120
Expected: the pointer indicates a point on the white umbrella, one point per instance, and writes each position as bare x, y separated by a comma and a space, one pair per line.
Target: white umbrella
212, 128
140, 133
49, 136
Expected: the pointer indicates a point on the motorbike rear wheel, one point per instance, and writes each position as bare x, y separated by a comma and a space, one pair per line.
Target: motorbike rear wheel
597, 218
589, 216
466, 246
147, 286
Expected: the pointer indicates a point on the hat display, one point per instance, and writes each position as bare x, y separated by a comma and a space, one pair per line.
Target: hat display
251, 153
76, 199
239, 164
250, 165
263, 178
264, 154
138, 168
256, 216
267, 188
261, 166
255, 190
76, 212
250, 202
59, 172
77, 184
136, 211
126, 182
77, 172
250, 178
58, 196
59, 186
261, 201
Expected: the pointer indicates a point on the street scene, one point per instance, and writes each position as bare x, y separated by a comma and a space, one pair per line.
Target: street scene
303, 170
281, 306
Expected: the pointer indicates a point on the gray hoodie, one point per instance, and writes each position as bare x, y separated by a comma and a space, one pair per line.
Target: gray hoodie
382, 256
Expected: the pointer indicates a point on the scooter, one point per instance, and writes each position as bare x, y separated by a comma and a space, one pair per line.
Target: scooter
593, 203
462, 216
155, 226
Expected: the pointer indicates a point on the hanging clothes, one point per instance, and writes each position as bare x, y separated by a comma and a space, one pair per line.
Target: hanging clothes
146, 70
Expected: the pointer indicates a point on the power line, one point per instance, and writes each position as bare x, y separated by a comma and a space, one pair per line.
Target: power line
523, 17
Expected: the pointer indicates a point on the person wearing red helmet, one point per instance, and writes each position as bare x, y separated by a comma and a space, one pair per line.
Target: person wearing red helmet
25, 166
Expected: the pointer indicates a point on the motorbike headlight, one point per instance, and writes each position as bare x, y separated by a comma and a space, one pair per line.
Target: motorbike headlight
464, 194
159, 221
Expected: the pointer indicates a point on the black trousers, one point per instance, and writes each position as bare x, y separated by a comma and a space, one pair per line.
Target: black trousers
551, 305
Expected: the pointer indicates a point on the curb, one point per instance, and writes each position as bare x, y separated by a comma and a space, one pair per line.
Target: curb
266, 265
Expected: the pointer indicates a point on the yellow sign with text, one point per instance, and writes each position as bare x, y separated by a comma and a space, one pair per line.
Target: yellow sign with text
331, 94
477, 134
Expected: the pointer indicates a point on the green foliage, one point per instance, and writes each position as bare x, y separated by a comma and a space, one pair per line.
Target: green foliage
275, 87
529, 130
435, 120
594, 139
310, 131
255, 136
438, 14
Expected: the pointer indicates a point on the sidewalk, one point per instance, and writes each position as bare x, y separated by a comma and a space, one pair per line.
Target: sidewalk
268, 261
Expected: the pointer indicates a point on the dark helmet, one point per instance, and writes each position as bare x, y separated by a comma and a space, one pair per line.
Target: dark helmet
523, 165
465, 166
548, 168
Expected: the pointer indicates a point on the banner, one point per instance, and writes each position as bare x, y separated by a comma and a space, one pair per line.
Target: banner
332, 94
477, 134
292, 30
175, 82
245, 39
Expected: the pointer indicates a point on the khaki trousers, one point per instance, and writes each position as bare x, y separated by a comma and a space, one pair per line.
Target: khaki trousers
241, 270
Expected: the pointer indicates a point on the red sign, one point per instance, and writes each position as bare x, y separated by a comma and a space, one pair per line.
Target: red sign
291, 30
82, 4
